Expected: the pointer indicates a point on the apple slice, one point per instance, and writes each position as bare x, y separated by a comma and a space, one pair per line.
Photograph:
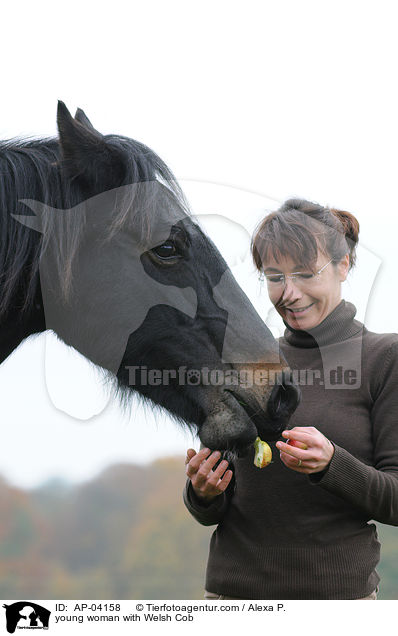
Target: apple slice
262, 453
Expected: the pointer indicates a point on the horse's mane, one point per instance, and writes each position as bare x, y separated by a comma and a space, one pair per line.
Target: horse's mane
34, 169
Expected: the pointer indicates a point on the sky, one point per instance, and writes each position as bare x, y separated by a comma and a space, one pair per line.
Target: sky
249, 104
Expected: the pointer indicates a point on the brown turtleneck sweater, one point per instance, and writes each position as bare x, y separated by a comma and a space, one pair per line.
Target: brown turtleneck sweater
286, 535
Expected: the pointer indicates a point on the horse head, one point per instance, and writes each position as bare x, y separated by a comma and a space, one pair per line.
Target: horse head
130, 280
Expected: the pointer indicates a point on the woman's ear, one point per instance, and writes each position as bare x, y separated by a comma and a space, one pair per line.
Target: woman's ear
344, 267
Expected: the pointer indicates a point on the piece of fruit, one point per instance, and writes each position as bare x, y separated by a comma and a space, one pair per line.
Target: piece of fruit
294, 442
262, 453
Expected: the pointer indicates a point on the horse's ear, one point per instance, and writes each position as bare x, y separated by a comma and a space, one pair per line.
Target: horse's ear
84, 150
75, 138
82, 118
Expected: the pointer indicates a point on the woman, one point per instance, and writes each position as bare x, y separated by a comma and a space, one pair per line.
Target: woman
299, 529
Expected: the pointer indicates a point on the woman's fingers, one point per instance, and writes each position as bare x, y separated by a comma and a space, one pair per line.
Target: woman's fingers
190, 453
217, 480
206, 467
224, 481
214, 476
305, 434
199, 468
201, 464
293, 451
293, 464
314, 458
196, 460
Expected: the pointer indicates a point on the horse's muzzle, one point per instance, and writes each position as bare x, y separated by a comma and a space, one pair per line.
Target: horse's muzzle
239, 417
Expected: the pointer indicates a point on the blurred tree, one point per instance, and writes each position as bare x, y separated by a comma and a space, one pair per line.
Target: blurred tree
125, 534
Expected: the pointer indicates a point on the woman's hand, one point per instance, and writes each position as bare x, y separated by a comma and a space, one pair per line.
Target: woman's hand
315, 458
206, 482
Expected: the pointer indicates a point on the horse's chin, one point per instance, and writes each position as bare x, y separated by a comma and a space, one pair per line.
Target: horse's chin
228, 428
232, 426
237, 453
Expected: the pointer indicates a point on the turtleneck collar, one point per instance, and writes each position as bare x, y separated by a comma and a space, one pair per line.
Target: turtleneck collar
339, 325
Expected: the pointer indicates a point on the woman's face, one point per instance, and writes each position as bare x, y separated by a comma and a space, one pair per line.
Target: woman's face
305, 303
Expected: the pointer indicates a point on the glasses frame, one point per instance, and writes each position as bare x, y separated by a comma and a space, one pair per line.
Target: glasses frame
293, 275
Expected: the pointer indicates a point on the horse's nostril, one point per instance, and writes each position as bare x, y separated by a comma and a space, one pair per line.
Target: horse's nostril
284, 397
278, 401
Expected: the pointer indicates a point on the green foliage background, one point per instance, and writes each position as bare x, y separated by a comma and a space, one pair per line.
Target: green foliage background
124, 535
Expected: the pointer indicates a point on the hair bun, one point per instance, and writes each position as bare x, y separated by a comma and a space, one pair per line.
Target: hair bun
349, 222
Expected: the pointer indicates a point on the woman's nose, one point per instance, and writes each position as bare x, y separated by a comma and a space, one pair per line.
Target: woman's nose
291, 291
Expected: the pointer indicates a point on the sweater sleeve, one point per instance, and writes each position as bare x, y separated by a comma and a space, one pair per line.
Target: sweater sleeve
374, 489
207, 514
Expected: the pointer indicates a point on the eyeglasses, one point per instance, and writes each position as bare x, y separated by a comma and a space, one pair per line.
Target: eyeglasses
300, 278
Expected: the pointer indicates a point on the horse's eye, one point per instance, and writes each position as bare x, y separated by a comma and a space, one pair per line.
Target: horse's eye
166, 250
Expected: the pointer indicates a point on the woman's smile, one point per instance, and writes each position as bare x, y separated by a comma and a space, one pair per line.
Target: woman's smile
298, 311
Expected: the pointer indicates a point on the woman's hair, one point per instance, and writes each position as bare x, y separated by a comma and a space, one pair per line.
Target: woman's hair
300, 228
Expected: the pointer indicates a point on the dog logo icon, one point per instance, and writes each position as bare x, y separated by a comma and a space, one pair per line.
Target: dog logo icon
26, 615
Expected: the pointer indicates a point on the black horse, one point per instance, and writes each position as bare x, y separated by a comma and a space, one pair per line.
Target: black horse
98, 244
